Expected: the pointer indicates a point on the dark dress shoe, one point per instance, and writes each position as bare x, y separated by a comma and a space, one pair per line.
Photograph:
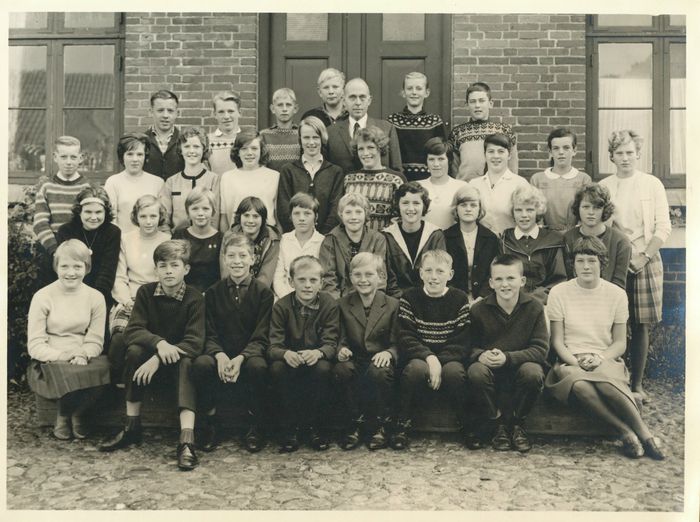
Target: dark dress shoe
500, 440
399, 438
253, 441
378, 440
351, 438
520, 440
123, 439
186, 457
290, 442
473, 441
209, 438
652, 448
318, 440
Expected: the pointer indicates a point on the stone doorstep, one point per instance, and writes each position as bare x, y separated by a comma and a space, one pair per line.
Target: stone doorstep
548, 417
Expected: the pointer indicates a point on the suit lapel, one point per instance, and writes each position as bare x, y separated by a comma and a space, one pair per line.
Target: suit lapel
358, 311
375, 313
344, 129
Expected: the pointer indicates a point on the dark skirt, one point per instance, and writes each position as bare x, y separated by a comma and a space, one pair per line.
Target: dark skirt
53, 380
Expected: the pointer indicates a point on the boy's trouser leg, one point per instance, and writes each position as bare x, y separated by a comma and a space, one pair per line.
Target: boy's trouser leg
414, 376
482, 383
136, 355
117, 357
345, 375
382, 381
528, 381
186, 389
283, 393
454, 380
319, 376
206, 380
254, 372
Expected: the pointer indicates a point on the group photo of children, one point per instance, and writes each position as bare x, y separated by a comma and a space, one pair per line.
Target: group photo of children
334, 268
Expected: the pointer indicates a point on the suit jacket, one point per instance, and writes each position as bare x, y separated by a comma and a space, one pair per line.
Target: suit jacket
340, 148
473, 279
367, 335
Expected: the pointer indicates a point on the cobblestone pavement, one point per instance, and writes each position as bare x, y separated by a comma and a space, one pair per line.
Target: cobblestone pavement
436, 473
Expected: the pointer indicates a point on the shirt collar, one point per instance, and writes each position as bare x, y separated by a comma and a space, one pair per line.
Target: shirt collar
362, 121
157, 135
179, 295
310, 161
312, 306
243, 284
447, 288
218, 132
470, 234
532, 233
569, 175
407, 112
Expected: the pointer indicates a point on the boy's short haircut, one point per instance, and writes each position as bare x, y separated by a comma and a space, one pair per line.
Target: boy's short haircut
355, 199
368, 258
164, 94
327, 74
317, 125
235, 239
226, 96
148, 200
438, 146
498, 139
251, 203
284, 91
303, 262
507, 260
468, 193
561, 132
529, 194
438, 255
371, 134
619, 138
415, 75
194, 132
304, 200
410, 187
243, 138
171, 250
67, 141
130, 141
76, 250
92, 194
598, 195
590, 246
478, 87
198, 194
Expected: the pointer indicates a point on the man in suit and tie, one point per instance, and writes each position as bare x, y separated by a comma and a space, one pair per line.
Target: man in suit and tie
340, 134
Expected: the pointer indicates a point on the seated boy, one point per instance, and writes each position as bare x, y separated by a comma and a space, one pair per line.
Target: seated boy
165, 332
227, 107
282, 139
367, 353
509, 347
303, 341
238, 311
434, 339
540, 250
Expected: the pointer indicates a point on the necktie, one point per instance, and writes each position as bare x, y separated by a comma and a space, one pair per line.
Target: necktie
355, 129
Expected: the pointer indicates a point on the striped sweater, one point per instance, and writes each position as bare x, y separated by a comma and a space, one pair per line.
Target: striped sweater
282, 145
53, 207
434, 325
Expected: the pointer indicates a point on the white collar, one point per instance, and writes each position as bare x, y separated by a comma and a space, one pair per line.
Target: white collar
533, 233
362, 121
569, 175
311, 161
218, 132
443, 292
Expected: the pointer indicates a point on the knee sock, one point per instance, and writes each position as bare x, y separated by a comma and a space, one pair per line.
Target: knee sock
187, 436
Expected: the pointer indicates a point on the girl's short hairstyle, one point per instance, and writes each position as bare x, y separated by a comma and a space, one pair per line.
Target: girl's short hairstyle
468, 193
371, 134
171, 250
437, 255
619, 138
302, 262
194, 132
304, 200
244, 138
130, 141
415, 75
197, 194
76, 250
529, 194
590, 246
368, 258
598, 195
93, 192
498, 139
355, 199
318, 127
148, 201
251, 203
236, 239
327, 74
410, 187
67, 141
561, 132
437, 147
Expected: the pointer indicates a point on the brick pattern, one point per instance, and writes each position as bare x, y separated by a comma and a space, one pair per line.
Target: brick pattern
195, 55
535, 65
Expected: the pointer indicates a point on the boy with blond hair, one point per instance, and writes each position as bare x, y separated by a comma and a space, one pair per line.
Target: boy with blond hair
227, 111
282, 139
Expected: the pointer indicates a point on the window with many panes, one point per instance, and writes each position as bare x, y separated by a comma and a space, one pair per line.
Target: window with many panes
65, 78
636, 80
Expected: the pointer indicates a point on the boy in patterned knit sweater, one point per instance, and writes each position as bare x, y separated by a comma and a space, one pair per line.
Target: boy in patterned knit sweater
414, 126
467, 139
282, 139
54, 202
227, 107
434, 339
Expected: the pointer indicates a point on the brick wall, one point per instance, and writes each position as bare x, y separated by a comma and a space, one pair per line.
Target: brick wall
195, 55
535, 65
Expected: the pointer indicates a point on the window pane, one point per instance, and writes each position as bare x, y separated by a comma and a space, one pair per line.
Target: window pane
677, 142
27, 137
27, 73
307, 26
625, 75
95, 130
403, 27
78, 20
625, 20
89, 75
609, 121
28, 20
677, 52
677, 20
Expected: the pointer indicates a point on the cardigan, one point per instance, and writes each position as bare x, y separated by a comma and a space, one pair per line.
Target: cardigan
326, 186
238, 329
619, 253
413, 130
160, 164
474, 280
340, 146
290, 330
366, 335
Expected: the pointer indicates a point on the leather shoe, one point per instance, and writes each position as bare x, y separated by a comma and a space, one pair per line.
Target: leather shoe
318, 440
378, 440
62, 430
186, 457
351, 438
652, 448
520, 440
209, 438
253, 441
631, 447
399, 439
472, 441
501, 440
121, 440
290, 442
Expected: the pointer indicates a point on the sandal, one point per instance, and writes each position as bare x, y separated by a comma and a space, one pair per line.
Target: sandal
652, 448
631, 447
